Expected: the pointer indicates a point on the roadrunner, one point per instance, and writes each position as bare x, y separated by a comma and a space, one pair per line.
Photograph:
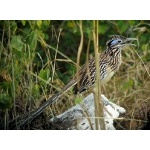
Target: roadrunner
109, 63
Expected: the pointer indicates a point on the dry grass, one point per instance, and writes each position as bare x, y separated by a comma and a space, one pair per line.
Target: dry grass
129, 87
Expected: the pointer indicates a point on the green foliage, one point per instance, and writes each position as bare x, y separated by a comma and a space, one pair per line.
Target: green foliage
127, 85
78, 100
5, 101
16, 43
103, 29
38, 54
36, 90
32, 39
44, 75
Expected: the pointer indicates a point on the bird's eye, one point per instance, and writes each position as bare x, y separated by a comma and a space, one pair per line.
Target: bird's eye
114, 42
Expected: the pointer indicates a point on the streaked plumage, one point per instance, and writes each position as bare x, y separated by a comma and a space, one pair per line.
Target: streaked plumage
109, 63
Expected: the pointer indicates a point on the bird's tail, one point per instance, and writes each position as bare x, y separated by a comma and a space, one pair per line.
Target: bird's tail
21, 121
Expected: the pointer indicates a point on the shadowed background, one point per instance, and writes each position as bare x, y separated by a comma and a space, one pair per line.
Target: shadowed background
39, 57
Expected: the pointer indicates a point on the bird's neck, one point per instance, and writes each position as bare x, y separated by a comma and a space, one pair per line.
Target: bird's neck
112, 51
114, 56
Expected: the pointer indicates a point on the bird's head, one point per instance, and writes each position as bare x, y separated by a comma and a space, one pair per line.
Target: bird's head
117, 41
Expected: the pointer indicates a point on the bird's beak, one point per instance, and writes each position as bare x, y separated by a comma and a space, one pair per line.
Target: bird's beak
131, 39
127, 42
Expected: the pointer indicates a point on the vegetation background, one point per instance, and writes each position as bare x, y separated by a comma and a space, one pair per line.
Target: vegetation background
37, 58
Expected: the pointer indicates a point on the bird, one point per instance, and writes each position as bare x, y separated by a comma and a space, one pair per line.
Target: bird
109, 62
